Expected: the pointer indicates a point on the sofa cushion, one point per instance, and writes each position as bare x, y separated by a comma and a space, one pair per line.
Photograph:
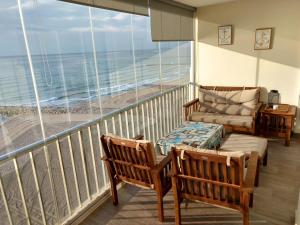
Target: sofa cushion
251, 95
231, 97
245, 143
228, 102
206, 95
235, 120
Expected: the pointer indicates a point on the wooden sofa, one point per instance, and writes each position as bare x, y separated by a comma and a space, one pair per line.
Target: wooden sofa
235, 107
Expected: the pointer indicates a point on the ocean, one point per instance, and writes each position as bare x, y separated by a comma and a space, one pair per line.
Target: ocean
69, 78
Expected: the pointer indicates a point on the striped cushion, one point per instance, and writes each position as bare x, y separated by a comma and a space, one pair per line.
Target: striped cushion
235, 120
240, 102
245, 143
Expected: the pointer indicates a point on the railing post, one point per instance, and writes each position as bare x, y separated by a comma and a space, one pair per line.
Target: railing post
156, 118
48, 165
101, 155
74, 170
84, 164
127, 125
28, 221
152, 121
132, 123
137, 119
62, 170
93, 158
148, 120
5, 202
160, 106
37, 187
121, 125
144, 125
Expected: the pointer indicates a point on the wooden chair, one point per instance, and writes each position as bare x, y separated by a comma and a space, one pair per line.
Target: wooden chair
214, 179
134, 162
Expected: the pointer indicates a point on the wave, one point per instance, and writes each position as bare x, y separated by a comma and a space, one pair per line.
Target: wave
75, 97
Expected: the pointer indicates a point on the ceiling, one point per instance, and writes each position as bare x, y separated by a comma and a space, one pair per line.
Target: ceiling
199, 3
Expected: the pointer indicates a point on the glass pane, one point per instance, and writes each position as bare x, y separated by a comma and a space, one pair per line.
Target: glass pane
62, 57
113, 43
19, 121
169, 64
124, 67
146, 57
185, 61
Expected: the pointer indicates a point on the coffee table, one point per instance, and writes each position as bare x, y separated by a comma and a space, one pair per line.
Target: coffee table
196, 134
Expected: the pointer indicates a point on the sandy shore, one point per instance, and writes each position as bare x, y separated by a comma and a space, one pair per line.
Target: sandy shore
22, 124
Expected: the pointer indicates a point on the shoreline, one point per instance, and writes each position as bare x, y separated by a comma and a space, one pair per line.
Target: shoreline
21, 125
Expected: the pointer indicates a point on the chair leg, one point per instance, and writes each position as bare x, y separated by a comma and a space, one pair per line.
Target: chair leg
114, 193
160, 207
265, 160
177, 201
177, 212
113, 183
251, 200
257, 174
246, 218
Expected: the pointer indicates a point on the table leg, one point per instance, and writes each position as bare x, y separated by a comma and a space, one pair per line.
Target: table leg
288, 131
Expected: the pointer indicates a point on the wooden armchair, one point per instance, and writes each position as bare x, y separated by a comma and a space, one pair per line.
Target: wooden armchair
208, 178
135, 162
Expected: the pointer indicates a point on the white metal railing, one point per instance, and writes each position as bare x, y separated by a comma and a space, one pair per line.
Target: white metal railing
51, 181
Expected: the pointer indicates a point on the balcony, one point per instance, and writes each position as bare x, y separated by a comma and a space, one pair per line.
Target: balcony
51, 182
73, 72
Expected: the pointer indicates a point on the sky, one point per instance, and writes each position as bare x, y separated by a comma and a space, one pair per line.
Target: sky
59, 27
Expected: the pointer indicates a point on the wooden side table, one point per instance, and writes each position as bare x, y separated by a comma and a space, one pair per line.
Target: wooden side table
279, 122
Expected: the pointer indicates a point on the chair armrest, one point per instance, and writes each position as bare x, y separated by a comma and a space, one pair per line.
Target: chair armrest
171, 174
252, 168
190, 103
104, 158
256, 109
190, 107
162, 164
139, 137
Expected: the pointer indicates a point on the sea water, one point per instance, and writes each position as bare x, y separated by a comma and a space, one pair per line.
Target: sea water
72, 77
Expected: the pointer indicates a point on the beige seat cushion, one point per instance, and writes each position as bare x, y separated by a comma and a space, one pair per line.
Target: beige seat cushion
235, 120
245, 143
228, 154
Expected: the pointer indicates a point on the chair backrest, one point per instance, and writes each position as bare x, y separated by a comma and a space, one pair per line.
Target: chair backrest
226, 88
209, 177
130, 159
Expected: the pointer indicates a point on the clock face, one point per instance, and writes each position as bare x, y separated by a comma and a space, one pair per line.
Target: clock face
225, 35
263, 38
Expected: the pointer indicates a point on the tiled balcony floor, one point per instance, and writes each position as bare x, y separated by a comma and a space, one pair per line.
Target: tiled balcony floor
274, 201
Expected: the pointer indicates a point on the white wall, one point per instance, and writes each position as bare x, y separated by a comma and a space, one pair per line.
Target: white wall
239, 64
